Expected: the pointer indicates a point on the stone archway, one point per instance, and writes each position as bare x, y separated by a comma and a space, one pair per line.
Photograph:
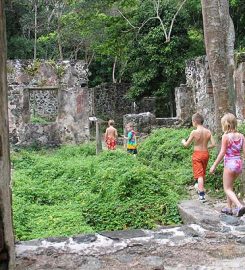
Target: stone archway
7, 252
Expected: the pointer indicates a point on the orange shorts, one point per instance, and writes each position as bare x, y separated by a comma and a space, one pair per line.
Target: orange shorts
199, 163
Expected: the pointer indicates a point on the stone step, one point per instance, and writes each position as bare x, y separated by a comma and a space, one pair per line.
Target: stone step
208, 216
195, 212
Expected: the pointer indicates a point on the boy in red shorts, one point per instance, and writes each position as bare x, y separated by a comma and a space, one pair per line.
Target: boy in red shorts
111, 136
201, 137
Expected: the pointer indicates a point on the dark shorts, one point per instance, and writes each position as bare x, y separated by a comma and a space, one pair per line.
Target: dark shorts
132, 151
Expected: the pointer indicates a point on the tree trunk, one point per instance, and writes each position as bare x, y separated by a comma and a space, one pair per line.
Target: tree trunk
7, 252
35, 31
114, 70
219, 41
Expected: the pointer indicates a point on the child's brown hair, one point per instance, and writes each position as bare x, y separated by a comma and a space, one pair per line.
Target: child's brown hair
198, 118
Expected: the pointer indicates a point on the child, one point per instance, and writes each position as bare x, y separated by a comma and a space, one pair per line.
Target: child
111, 136
131, 144
231, 146
201, 138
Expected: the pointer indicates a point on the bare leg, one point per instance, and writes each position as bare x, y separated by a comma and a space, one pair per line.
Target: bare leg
229, 202
200, 183
228, 179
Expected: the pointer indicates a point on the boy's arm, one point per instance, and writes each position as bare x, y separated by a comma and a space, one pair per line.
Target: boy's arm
116, 134
189, 141
212, 142
106, 134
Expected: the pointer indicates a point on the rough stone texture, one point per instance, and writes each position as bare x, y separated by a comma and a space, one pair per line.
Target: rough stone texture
199, 81
197, 94
146, 104
185, 105
193, 211
110, 101
187, 247
143, 122
49, 103
168, 122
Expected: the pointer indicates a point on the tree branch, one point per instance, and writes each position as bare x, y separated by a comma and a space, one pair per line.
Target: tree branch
172, 22
127, 19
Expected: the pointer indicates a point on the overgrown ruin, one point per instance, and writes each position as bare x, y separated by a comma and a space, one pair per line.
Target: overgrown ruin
48, 102
197, 93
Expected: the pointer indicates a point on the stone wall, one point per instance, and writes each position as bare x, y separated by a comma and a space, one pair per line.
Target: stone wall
185, 105
49, 102
197, 94
110, 101
199, 80
143, 122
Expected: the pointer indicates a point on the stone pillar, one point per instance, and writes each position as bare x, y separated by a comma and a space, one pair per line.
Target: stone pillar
7, 253
185, 105
198, 79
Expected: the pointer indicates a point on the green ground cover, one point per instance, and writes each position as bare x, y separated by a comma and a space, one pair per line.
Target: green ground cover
70, 190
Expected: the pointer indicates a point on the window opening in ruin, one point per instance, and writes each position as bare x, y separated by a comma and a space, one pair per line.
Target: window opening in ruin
43, 105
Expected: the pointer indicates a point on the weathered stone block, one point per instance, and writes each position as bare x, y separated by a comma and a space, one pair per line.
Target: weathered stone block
143, 122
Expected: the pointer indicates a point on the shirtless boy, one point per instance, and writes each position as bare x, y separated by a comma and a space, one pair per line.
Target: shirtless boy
203, 140
111, 136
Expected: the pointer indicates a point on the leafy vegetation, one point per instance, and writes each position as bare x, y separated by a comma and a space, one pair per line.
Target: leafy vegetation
70, 190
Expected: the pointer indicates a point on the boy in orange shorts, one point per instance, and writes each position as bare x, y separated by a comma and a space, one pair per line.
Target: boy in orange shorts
203, 140
111, 136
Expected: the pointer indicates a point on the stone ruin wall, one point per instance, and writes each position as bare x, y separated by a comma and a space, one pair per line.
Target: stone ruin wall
110, 101
197, 94
49, 103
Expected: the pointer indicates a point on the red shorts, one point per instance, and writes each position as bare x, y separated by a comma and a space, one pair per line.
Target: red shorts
111, 143
199, 163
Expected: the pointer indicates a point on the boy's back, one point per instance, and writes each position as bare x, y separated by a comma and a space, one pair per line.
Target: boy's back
111, 132
201, 138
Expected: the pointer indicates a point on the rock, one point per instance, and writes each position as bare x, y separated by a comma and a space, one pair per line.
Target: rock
241, 241
127, 234
88, 238
154, 261
190, 231
231, 220
143, 122
195, 212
